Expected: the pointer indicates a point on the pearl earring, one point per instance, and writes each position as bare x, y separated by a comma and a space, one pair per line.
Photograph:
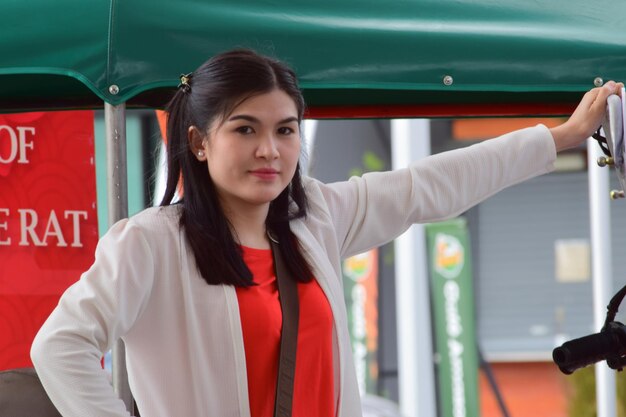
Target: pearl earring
200, 154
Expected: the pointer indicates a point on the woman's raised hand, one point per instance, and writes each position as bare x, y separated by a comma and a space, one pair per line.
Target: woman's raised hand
586, 118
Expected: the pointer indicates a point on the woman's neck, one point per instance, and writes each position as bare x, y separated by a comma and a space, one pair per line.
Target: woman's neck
249, 226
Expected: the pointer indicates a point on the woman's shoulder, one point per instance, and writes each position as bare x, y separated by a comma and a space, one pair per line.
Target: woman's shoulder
313, 189
157, 220
155, 229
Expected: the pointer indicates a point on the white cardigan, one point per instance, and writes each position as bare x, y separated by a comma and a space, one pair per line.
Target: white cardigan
184, 345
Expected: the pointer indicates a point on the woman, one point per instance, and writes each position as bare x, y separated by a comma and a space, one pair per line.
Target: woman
191, 288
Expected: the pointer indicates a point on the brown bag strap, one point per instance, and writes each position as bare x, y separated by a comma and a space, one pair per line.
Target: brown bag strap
288, 294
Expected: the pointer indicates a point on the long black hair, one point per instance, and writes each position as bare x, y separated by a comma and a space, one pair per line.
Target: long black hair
206, 95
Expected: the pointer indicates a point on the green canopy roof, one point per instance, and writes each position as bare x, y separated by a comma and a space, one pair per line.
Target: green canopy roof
68, 53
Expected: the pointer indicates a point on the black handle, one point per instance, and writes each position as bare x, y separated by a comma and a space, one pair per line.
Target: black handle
587, 350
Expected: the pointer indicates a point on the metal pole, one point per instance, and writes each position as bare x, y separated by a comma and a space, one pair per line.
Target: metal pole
600, 218
117, 192
410, 141
310, 129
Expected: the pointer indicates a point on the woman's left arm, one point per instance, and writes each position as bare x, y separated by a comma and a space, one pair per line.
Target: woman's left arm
373, 209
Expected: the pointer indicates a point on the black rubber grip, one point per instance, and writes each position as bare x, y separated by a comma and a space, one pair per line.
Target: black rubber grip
585, 351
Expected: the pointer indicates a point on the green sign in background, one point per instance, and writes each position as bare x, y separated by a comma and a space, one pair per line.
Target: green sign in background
453, 314
360, 279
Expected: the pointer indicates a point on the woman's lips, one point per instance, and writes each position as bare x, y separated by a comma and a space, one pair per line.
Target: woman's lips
265, 173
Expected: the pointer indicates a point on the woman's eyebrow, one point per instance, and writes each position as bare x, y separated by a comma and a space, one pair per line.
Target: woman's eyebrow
244, 117
288, 120
253, 119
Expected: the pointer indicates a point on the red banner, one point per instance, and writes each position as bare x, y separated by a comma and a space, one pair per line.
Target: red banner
48, 219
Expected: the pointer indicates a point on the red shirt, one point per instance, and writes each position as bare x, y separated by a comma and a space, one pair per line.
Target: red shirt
261, 321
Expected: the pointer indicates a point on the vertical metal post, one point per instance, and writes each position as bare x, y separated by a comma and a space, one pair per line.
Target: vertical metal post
600, 219
410, 141
310, 129
117, 192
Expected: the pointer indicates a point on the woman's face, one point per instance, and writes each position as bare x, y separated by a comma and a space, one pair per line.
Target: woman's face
252, 154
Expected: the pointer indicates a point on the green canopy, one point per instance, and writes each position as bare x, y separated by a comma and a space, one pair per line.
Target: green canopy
392, 54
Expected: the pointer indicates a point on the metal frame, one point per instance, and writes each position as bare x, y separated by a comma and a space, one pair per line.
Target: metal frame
410, 141
117, 191
600, 223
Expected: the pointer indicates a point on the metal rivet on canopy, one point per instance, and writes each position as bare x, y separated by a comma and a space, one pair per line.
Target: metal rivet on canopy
448, 80
598, 81
114, 89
